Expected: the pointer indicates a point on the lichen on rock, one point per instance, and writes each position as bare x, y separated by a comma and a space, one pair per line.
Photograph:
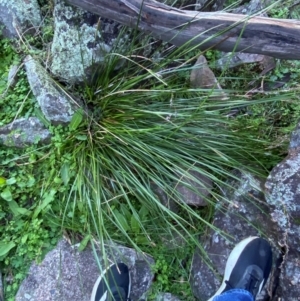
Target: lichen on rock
80, 42
69, 274
19, 15
24, 132
56, 106
283, 195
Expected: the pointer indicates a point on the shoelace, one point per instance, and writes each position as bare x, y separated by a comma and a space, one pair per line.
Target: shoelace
119, 295
251, 284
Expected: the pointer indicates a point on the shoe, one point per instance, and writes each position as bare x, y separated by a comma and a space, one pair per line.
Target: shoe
248, 267
113, 284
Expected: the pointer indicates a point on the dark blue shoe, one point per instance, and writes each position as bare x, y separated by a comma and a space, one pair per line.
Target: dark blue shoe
113, 284
248, 267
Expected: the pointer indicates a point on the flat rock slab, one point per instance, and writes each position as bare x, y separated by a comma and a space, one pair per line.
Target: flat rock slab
69, 275
245, 214
24, 132
232, 60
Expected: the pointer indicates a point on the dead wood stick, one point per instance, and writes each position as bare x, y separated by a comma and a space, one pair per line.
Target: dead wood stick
226, 32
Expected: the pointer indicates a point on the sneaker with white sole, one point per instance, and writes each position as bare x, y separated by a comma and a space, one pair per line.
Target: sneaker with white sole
248, 267
113, 284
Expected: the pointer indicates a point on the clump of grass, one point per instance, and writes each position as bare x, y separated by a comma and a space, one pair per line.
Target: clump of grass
146, 128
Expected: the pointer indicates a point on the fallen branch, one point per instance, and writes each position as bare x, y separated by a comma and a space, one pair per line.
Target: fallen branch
226, 32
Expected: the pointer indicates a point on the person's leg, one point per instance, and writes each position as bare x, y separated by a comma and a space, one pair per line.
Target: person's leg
113, 284
234, 295
247, 270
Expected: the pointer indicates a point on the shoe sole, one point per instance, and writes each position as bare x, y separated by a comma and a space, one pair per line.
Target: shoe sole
231, 262
99, 280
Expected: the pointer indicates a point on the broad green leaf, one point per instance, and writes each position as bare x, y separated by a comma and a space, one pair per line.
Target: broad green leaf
143, 213
11, 181
142, 240
76, 120
125, 211
39, 114
84, 242
2, 181
6, 195
81, 137
65, 174
31, 181
22, 184
24, 238
47, 199
57, 180
80, 206
5, 247
16, 209
121, 220
135, 225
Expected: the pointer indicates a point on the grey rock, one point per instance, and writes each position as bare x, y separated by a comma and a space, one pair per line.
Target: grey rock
283, 191
166, 297
54, 103
166, 199
80, 43
203, 77
69, 275
12, 77
295, 138
242, 212
283, 195
200, 4
19, 17
24, 132
194, 188
231, 60
253, 7
209, 5
289, 288
170, 239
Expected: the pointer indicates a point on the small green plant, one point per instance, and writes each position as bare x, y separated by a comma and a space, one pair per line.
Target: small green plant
163, 273
288, 9
171, 271
14, 101
30, 241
